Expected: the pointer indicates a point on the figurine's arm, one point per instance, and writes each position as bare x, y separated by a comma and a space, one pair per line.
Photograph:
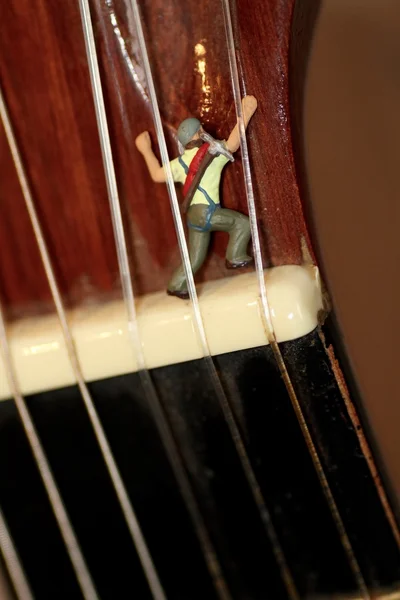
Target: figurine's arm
143, 144
249, 105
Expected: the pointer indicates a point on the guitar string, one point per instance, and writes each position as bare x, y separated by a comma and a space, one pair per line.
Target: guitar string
13, 562
248, 182
199, 325
129, 300
115, 476
64, 523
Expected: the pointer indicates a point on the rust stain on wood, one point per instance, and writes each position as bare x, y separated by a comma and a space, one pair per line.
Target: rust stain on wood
365, 447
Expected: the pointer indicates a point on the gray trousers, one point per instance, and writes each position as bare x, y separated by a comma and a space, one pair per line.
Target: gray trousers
223, 219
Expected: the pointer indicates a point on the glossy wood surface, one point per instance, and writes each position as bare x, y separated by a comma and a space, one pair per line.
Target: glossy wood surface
46, 83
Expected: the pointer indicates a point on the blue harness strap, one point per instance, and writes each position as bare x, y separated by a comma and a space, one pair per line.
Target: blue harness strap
210, 208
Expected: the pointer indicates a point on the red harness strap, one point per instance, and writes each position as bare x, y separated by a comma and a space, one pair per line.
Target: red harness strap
194, 166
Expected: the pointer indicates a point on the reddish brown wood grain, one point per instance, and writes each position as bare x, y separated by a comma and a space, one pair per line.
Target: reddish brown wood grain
44, 74
48, 92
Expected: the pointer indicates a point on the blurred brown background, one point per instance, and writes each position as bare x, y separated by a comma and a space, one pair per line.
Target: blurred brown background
352, 143
5, 592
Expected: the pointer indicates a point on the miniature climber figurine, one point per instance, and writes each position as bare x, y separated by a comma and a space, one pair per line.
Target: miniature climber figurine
199, 169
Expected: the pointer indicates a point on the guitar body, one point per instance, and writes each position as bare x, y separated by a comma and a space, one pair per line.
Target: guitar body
310, 454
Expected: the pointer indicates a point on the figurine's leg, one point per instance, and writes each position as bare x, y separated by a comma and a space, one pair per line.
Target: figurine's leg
198, 246
238, 227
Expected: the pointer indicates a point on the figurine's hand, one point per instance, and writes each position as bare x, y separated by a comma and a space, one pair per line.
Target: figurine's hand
143, 142
249, 104
249, 107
